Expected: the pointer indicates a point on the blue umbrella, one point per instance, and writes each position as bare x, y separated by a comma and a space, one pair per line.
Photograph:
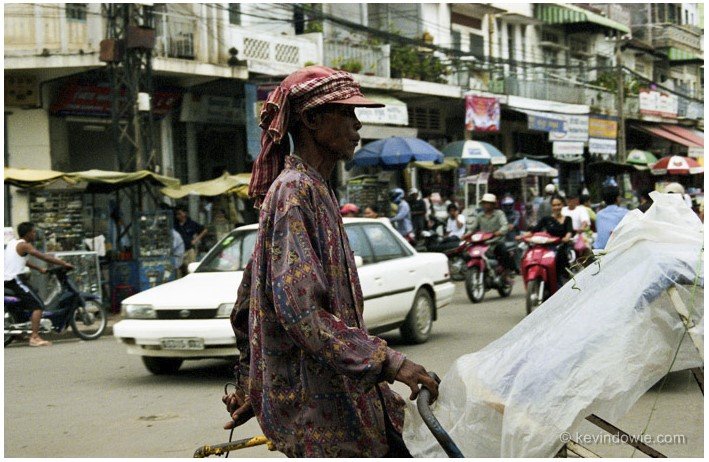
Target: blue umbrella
395, 152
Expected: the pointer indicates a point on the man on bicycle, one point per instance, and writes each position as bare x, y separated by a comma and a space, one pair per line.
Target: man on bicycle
16, 254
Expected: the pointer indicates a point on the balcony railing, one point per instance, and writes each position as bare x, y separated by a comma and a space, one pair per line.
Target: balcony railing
373, 59
274, 54
669, 35
175, 36
556, 91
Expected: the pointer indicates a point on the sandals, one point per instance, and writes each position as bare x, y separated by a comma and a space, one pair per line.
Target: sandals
39, 342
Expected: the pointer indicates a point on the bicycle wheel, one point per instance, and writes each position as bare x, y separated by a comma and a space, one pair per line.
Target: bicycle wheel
89, 321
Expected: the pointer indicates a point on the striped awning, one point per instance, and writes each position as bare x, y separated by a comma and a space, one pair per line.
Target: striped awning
676, 54
551, 13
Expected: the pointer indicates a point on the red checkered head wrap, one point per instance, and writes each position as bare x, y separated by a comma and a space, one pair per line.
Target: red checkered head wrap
304, 89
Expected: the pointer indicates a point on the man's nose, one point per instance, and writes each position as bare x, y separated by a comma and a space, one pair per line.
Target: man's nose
358, 124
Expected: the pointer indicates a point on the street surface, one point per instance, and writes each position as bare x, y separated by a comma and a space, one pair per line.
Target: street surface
90, 399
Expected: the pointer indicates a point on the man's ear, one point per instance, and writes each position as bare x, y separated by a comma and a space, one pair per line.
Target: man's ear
310, 119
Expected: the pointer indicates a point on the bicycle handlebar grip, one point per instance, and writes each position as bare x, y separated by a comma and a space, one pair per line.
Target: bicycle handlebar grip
442, 436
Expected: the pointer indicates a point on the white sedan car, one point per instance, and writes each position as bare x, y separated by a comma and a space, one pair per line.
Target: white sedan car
189, 318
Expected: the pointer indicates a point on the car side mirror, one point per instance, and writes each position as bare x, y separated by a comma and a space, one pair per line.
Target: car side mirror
192, 267
359, 261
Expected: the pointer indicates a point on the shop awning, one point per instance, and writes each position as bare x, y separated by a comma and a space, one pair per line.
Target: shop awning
394, 111
567, 14
30, 178
237, 184
676, 54
685, 133
105, 181
659, 132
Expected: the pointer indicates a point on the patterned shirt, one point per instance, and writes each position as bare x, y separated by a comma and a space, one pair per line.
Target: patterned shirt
316, 377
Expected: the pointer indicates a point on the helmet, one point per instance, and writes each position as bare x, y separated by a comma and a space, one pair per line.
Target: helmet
396, 195
413, 191
488, 197
508, 200
675, 188
550, 189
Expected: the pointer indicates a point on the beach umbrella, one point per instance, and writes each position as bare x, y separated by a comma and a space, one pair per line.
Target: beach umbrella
676, 165
641, 159
475, 152
523, 168
395, 151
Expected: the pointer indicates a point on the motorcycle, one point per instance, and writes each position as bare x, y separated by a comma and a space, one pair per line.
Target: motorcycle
66, 306
484, 272
453, 247
539, 268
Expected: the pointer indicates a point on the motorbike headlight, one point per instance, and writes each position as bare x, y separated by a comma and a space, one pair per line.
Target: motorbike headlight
224, 310
138, 312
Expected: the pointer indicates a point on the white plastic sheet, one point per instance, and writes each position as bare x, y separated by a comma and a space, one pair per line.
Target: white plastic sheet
595, 348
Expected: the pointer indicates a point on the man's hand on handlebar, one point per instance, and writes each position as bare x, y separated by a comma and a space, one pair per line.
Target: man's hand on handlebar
238, 405
413, 374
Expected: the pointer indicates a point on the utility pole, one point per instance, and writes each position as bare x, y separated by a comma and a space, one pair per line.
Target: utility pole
127, 52
620, 98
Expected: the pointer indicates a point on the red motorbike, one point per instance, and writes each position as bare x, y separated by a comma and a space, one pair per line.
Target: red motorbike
539, 268
484, 271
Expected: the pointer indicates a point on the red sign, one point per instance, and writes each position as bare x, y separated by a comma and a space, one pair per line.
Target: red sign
482, 114
95, 100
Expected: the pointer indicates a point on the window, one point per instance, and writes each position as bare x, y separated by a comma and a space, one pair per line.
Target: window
231, 254
359, 244
76, 11
455, 39
477, 45
386, 245
235, 14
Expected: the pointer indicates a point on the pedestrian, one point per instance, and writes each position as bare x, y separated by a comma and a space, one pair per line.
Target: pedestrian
309, 370
418, 211
609, 217
493, 220
192, 234
455, 225
15, 256
545, 207
371, 211
402, 219
586, 203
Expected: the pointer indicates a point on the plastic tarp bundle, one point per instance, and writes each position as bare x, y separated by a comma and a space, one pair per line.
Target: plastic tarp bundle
595, 347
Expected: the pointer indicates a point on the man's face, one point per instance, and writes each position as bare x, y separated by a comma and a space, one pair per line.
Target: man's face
181, 215
488, 206
369, 213
453, 213
337, 131
572, 202
31, 236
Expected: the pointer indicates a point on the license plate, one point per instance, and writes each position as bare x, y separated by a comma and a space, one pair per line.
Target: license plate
182, 343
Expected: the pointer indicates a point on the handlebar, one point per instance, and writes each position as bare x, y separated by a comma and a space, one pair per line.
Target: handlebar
442, 436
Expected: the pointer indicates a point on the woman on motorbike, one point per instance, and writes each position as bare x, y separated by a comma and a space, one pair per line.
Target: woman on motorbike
558, 225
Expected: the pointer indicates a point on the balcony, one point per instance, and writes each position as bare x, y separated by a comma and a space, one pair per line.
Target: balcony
562, 92
275, 54
374, 60
672, 35
175, 36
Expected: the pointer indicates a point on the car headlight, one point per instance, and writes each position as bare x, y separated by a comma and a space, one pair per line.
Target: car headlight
138, 312
224, 310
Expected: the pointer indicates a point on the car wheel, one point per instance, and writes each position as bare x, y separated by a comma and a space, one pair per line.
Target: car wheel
418, 324
162, 366
474, 287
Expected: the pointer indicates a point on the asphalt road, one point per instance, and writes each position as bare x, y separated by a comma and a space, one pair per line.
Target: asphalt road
90, 399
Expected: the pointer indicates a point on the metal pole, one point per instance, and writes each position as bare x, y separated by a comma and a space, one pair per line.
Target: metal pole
619, 100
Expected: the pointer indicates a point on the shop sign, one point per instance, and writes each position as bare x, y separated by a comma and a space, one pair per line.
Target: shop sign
95, 100
482, 114
390, 114
212, 109
575, 129
695, 151
567, 148
604, 127
602, 146
653, 102
545, 122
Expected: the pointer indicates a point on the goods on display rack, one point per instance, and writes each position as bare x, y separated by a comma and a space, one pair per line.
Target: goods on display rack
154, 235
86, 274
367, 190
60, 216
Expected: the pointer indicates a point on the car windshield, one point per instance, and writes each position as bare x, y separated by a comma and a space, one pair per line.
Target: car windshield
230, 254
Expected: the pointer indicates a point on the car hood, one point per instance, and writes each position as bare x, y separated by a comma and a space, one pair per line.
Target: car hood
196, 290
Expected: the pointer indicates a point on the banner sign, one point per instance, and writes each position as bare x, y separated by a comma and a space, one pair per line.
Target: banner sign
95, 100
212, 109
546, 122
567, 148
602, 146
695, 151
653, 102
605, 127
482, 114
392, 114
575, 129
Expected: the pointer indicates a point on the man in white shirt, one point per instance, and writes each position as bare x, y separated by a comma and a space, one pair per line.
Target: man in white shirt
579, 216
455, 225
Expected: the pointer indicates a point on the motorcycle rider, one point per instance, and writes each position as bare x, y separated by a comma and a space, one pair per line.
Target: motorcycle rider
558, 225
512, 215
402, 219
493, 220
545, 206
16, 254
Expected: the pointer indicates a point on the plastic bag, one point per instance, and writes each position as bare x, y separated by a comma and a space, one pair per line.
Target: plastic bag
595, 347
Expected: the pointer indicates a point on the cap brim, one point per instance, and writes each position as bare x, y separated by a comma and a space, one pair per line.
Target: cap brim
359, 101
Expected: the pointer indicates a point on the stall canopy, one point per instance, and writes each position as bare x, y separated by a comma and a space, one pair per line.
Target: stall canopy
102, 181
237, 184
29, 178
574, 17
662, 132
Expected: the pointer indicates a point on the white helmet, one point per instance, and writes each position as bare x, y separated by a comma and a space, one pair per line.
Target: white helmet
550, 188
675, 188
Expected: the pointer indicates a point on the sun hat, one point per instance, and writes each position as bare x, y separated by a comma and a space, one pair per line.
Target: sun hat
488, 197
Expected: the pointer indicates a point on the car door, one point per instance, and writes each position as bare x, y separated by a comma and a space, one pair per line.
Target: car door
370, 285
393, 276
